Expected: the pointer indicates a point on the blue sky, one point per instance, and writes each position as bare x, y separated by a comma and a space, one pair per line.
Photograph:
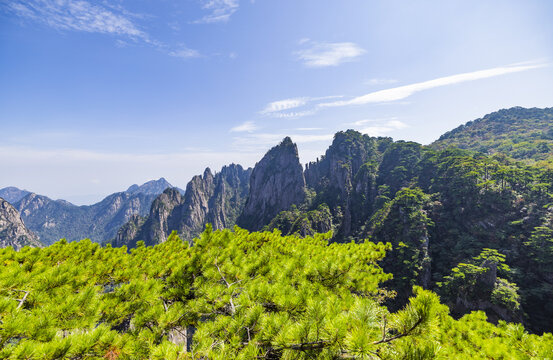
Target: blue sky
98, 95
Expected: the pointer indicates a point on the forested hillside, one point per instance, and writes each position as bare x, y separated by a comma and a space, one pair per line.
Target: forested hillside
233, 294
518, 132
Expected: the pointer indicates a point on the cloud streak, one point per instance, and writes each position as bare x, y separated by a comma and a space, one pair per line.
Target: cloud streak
78, 15
248, 126
383, 128
280, 109
185, 53
320, 54
219, 11
403, 92
261, 142
84, 16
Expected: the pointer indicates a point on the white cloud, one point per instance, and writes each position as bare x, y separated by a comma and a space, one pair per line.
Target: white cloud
293, 114
320, 54
82, 15
278, 109
260, 142
219, 10
383, 128
367, 121
78, 15
185, 53
285, 104
247, 126
402, 92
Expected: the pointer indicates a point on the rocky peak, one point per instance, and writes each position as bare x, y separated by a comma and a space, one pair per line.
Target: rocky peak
152, 187
209, 198
13, 231
276, 183
348, 166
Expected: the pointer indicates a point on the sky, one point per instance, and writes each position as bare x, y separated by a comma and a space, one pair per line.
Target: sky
98, 95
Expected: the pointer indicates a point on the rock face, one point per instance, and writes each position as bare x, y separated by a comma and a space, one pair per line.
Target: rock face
345, 177
209, 198
12, 194
13, 231
157, 227
56, 219
277, 182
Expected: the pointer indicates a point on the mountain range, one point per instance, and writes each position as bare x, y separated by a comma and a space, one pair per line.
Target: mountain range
469, 216
52, 220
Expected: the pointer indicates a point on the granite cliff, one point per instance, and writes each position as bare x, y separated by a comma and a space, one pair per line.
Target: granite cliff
13, 231
277, 182
209, 198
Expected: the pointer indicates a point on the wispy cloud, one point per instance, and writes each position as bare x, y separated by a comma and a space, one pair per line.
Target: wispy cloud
185, 53
259, 142
369, 121
293, 114
281, 108
285, 104
78, 15
321, 54
383, 128
219, 10
248, 126
82, 15
402, 92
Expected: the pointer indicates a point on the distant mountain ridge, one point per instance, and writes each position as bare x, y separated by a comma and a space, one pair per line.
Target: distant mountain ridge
52, 220
12, 194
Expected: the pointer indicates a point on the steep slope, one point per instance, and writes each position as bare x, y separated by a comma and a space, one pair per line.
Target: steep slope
12, 194
345, 178
277, 182
217, 199
441, 210
13, 231
518, 132
56, 219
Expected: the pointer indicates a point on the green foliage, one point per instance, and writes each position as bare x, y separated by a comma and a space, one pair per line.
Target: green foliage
296, 222
520, 133
232, 295
471, 285
403, 222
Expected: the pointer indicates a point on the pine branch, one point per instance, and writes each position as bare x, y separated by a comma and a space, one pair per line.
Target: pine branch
232, 307
21, 301
419, 321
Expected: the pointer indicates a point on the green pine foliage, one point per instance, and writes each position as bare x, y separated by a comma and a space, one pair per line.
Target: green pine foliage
231, 295
521, 133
